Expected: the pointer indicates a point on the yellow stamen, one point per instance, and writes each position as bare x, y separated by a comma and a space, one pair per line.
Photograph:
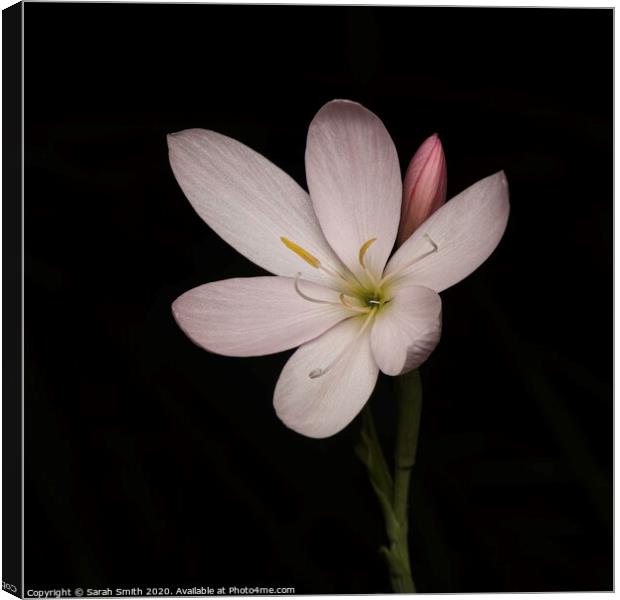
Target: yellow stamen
313, 261
364, 249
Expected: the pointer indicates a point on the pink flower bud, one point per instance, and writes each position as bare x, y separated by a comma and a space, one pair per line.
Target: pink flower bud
424, 188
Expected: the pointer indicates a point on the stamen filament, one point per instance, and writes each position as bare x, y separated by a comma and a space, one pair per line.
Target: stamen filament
332, 272
320, 372
358, 309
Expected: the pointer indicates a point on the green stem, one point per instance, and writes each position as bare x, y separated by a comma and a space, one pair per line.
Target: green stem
380, 475
409, 413
393, 492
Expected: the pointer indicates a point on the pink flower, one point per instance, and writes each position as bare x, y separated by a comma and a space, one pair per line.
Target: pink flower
424, 188
334, 293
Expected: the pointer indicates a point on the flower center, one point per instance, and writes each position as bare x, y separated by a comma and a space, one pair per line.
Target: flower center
358, 296
365, 298
374, 298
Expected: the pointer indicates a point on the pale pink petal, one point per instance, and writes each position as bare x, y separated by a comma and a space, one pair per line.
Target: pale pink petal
354, 181
322, 406
424, 188
255, 315
465, 232
406, 330
248, 201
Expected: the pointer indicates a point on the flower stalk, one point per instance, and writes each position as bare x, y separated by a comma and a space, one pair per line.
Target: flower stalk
393, 491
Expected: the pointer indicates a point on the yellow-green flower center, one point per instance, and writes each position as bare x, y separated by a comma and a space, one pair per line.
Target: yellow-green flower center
363, 294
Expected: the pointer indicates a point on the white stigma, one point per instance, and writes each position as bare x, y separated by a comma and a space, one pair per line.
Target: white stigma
343, 301
435, 248
315, 373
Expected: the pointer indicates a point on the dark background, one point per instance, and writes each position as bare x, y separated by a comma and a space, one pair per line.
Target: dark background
151, 462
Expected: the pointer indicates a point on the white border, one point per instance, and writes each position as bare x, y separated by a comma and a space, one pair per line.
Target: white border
497, 3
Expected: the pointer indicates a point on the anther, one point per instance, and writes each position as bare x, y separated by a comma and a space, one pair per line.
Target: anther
364, 249
313, 261
362, 253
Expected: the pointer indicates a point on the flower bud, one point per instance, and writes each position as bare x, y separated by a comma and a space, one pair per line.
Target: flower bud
424, 188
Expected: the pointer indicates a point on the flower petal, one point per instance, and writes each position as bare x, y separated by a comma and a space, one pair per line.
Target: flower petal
354, 181
255, 315
322, 406
465, 230
407, 330
248, 201
424, 188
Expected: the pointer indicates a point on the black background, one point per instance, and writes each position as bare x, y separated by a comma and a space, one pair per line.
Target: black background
151, 462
